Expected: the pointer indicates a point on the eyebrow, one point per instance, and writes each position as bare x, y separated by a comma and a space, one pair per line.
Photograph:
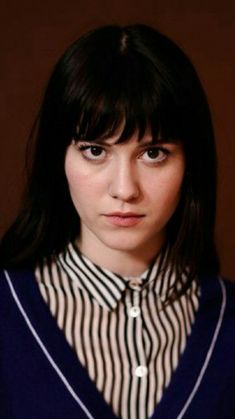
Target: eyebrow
161, 141
104, 141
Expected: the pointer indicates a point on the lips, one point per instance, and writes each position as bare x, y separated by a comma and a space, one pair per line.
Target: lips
124, 219
123, 214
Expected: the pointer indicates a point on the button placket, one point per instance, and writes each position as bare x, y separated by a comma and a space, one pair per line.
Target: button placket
135, 284
134, 311
141, 371
133, 299
133, 303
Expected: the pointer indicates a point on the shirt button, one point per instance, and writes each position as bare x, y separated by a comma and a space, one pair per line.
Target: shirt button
141, 371
134, 311
135, 284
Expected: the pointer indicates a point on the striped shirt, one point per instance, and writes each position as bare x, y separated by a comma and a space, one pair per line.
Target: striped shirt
125, 336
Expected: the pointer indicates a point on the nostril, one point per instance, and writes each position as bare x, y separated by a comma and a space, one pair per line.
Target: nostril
125, 192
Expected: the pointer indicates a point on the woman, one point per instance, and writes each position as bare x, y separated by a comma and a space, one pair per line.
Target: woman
110, 297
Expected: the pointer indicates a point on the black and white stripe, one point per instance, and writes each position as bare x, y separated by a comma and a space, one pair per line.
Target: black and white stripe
130, 355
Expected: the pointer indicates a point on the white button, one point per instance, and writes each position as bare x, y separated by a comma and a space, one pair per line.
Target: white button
135, 284
141, 371
134, 311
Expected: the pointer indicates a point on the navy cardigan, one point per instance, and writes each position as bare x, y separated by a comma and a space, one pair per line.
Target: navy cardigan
41, 377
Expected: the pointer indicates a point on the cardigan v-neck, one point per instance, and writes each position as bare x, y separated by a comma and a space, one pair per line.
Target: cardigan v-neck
129, 342
209, 356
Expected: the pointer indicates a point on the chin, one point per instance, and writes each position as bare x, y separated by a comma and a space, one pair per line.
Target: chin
127, 243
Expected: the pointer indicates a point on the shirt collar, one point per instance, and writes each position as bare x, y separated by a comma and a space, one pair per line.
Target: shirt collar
107, 287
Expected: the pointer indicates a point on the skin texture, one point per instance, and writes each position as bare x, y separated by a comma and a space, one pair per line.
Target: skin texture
137, 177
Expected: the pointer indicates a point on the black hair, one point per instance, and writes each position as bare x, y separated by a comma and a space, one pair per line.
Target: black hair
113, 74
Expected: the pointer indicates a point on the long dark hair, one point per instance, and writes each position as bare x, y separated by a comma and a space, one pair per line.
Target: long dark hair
114, 74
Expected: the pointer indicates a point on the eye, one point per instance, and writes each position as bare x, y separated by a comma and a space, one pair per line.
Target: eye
92, 152
155, 155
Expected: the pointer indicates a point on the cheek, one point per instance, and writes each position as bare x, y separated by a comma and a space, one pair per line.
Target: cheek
165, 192
76, 179
174, 192
79, 187
83, 190
167, 184
173, 185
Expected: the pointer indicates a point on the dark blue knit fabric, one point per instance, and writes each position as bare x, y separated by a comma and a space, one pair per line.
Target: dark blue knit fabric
41, 377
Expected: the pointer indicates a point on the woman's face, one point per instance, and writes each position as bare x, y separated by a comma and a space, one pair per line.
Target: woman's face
125, 193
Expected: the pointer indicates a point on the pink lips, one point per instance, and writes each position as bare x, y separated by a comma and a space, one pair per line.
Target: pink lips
124, 219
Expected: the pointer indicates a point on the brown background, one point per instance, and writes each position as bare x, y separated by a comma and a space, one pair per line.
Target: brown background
34, 34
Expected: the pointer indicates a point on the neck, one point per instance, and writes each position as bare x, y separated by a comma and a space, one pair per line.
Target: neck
122, 262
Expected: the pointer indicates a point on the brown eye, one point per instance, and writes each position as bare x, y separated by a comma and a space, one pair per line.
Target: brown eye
155, 155
92, 152
96, 151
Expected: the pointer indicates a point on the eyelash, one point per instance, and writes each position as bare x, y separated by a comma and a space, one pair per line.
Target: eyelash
99, 159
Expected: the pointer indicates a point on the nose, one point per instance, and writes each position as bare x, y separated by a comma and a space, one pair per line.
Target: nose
124, 184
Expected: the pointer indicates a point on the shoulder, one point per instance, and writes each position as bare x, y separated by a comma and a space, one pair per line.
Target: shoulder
217, 286
228, 289
15, 274
229, 284
10, 276
218, 301
12, 282
226, 320
229, 297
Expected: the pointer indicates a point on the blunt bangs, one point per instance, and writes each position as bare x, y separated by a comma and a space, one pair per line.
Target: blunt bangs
133, 111
117, 84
